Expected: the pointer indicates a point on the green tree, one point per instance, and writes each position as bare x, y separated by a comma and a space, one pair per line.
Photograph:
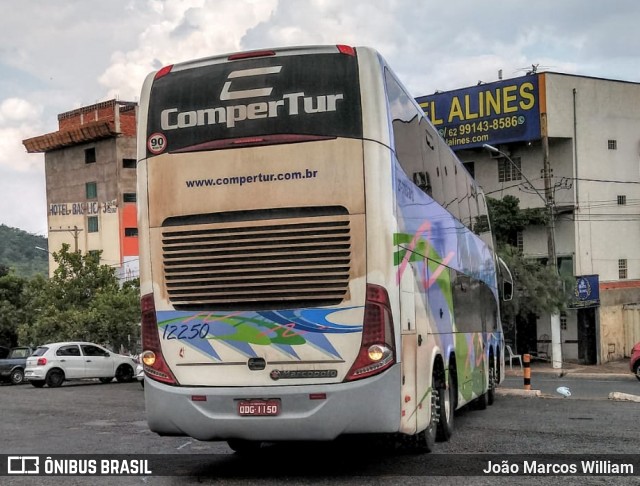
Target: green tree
538, 288
82, 301
507, 219
12, 297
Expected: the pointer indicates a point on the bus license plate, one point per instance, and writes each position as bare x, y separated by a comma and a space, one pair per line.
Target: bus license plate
258, 408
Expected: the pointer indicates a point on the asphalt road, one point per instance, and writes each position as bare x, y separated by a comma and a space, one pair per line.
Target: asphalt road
581, 388
90, 418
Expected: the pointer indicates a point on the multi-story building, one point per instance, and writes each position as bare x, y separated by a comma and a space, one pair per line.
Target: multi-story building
569, 144
90, 168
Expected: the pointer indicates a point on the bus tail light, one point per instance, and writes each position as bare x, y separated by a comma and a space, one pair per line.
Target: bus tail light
348, 50
251, 54
377, 350
163, 72
155, 366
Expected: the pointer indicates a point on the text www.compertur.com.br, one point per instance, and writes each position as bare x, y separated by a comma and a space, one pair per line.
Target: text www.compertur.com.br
251, 179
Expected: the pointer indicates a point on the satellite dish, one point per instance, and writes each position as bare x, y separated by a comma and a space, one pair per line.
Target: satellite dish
564, 391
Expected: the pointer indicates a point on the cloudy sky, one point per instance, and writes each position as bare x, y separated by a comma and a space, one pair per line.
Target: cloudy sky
56, 56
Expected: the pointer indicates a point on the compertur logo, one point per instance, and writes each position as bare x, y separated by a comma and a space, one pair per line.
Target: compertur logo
291, 104
247, 93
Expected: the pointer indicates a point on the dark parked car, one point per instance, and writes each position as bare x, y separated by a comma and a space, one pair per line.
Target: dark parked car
634, 363
12, 367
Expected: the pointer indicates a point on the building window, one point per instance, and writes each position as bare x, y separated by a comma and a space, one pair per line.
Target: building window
622, 200
95, 254
520, 242
131, 231
90, 155
471, 168
506, 170
622, 268
129, 197
563, 321
92, 190
612, 144
128, 163
92, 224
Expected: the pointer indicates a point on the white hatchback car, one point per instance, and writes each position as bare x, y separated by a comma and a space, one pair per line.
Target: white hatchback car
52, 364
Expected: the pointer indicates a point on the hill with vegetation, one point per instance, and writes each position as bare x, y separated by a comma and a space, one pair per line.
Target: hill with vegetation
18, 252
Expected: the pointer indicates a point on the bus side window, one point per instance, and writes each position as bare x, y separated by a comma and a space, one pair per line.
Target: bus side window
463, 196
447, 172
473, 206
423, 181
483, 228
405, 121
430, 157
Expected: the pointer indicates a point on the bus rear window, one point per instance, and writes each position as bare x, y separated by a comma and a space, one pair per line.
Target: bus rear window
303, 95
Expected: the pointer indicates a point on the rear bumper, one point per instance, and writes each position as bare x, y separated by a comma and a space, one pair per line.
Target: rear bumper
371, 405
34, 374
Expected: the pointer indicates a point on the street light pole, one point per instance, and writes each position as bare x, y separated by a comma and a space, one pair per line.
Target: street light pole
547, 199
495, 150
556, 332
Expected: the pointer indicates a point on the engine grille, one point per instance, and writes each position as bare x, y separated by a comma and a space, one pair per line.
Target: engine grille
258, 264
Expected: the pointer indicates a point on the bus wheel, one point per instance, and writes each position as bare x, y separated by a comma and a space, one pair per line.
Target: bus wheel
491, 392
446, 409
481, 401
242, 446
425, 441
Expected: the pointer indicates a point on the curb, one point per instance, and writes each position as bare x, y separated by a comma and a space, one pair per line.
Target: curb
571, 374
516, 392
624, 396
598, 376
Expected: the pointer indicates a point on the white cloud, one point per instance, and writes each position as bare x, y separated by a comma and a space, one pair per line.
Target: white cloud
22, 188
17, 110
18, 120
24, 203
183, 30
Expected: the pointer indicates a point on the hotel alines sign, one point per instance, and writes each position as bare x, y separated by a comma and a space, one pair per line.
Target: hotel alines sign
493, 113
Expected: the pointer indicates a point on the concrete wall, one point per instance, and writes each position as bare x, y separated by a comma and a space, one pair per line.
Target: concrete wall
66, 175
604, 110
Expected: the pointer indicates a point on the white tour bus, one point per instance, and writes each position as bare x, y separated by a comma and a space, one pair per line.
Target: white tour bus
315, 261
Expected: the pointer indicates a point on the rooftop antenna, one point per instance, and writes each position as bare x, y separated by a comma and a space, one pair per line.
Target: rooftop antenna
534, 69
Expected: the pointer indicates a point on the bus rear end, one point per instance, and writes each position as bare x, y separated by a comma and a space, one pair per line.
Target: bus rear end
259, 322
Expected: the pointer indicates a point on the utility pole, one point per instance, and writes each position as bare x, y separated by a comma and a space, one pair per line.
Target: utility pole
556, 334
75, 231
548, 200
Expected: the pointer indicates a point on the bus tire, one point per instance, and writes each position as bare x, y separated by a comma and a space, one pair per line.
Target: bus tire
481, 402
425, 441
243, 446
491, 392
446, 410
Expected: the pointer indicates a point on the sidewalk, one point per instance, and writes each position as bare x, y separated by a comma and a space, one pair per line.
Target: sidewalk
610, 370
